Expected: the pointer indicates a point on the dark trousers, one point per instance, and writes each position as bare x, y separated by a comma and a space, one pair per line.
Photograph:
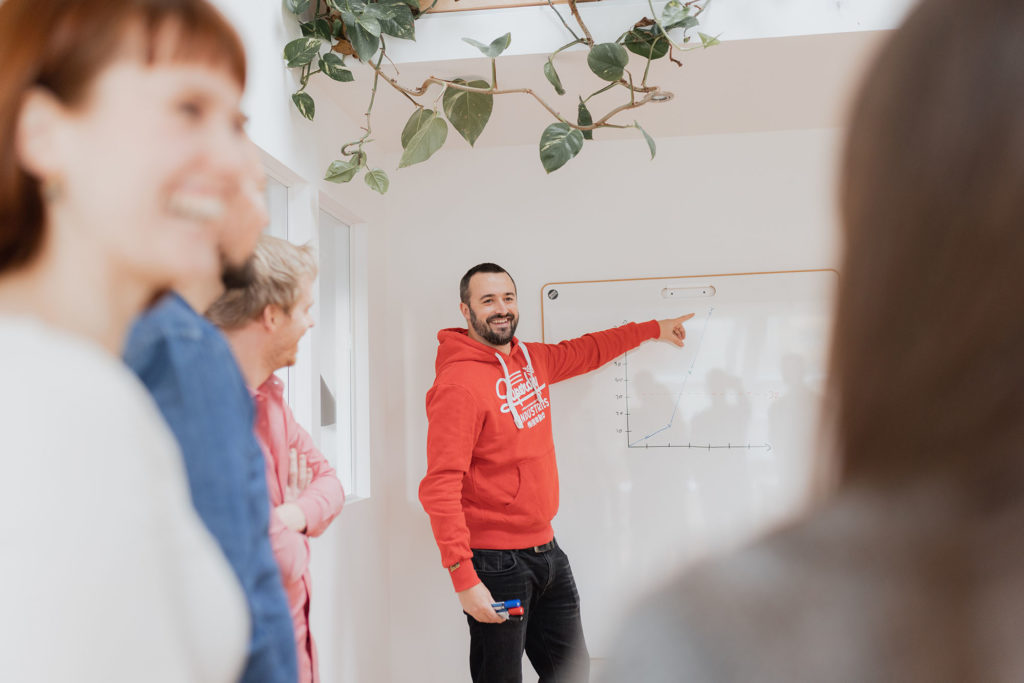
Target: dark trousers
551, 632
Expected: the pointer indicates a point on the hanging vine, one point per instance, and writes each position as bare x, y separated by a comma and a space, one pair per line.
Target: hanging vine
336, 30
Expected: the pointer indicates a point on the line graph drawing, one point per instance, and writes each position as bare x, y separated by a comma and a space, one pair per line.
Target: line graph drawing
645, 441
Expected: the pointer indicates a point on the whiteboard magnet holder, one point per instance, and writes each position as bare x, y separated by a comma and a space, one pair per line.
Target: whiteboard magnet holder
687, 292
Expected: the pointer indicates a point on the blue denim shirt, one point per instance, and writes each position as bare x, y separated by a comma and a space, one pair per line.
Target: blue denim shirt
188, 367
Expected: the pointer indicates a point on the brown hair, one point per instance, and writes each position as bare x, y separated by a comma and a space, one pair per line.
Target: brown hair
278, 271
927, 365
63, 46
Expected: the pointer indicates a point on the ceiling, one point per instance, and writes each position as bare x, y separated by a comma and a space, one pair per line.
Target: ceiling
766, 84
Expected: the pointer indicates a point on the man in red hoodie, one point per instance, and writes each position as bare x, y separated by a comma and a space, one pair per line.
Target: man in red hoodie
491, 487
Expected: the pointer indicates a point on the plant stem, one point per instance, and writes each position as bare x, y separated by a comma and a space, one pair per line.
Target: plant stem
649, 94
579, 20
494, 72
598, 92
562, 19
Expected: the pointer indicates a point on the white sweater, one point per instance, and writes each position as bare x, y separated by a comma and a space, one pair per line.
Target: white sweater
106, 572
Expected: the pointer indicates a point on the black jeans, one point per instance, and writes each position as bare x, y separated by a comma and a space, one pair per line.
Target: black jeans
550, 632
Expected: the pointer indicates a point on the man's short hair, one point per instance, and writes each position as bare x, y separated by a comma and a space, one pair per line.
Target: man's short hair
479, 268
279, 270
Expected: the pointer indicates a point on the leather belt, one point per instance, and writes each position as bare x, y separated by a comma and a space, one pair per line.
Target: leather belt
550, 545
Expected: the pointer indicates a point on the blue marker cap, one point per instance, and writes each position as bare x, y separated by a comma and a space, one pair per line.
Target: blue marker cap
500, 606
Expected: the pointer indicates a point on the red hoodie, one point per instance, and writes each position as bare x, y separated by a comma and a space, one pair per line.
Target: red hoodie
491, 480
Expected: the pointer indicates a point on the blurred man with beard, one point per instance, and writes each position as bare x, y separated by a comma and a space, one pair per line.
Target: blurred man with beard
187, 366
264, 322
491, 487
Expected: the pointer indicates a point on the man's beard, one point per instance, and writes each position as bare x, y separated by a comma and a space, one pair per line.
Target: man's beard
491, 337
237, 276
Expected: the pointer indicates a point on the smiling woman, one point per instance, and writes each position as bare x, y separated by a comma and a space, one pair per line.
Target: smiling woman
121, 144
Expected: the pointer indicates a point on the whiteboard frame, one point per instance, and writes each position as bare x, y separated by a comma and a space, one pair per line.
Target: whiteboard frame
543, 333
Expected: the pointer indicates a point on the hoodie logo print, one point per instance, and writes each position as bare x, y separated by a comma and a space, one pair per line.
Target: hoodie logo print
519, 392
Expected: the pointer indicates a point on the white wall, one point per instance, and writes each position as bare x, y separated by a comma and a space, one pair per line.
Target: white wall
383, 608
715, 204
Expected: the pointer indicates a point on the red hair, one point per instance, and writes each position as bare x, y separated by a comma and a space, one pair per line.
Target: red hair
62, 46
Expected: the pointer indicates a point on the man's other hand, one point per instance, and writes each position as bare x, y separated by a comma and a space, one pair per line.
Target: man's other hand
672, 330
476, 602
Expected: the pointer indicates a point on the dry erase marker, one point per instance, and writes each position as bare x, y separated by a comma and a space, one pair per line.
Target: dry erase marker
502, 606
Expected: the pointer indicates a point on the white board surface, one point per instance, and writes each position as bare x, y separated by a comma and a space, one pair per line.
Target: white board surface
667, 455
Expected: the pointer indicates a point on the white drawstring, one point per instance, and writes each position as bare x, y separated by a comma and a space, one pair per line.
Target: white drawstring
508, 393
530, 376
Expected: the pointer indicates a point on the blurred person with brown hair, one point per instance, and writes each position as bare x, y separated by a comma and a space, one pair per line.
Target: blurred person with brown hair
914, 569
264, 323
121, 147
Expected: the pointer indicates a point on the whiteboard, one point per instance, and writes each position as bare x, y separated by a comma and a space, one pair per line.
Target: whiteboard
667, 455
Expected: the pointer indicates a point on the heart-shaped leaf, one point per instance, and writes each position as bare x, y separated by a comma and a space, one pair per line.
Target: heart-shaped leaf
419, 118
559, 143
297, 6
497, 46
676, 15
648, 43
302, 51
648, 138
334, 67
467, 111
583, 118
342, 171
395, 19
305, 104
552, 76
428, 134
377, 180
608, 61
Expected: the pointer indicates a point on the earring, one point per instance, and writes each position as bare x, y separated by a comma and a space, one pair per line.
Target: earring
52, 190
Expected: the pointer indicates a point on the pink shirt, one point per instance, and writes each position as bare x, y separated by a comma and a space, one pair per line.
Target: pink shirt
321, 502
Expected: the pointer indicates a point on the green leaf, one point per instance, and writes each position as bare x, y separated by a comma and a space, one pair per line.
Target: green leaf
648, 138
363, 40
305, 104
677, 15
608, 61
395, 19
413, 4
322, 29
367, 19
552, 76
302, 51
648, 43
583, 118
468, 112
337, 28
419, 118
297, 6
307, 28
377, 180
497, 46
334, 67
706, 40
343, 171
337, 6
559, 143
429, 134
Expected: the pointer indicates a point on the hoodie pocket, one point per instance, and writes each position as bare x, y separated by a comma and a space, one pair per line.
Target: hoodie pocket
537, 493
496, 486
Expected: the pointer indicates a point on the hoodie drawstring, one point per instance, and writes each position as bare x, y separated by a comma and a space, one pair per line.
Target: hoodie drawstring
508, 393
531, 379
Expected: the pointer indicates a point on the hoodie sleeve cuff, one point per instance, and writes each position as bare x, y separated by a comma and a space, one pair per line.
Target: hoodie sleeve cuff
651, 329
464, 576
